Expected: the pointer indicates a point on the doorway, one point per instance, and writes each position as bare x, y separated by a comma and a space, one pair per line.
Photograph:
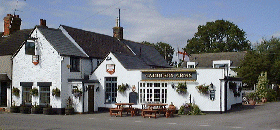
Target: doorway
3, 94
90, 98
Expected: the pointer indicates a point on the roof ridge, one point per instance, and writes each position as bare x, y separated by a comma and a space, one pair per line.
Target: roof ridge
85, 30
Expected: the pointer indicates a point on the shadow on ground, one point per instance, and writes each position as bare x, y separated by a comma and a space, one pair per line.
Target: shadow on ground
241, 108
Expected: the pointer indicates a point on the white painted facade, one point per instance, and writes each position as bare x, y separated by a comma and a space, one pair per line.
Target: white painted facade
134, 78
54, 68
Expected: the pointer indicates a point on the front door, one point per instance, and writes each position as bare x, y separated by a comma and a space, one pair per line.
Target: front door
90, 98
3, 94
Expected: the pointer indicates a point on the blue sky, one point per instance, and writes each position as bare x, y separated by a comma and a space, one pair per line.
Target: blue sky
170, 21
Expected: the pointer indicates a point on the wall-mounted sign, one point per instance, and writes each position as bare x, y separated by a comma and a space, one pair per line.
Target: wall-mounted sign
110, 68
169, 75
35, 59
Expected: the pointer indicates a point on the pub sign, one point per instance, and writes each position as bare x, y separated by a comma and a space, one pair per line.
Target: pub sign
169, 75
110, 68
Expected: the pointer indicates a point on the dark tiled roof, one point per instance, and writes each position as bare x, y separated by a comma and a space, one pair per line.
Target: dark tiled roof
94, 44
148, 53
131, 62
206, 59
9, 45
99, 45
60, 42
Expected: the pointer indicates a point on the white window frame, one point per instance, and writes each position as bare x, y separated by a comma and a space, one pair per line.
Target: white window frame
148, 92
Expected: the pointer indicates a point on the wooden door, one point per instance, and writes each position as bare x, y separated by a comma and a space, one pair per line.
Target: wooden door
90, 98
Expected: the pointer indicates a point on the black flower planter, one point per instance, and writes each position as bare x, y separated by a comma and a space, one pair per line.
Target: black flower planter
15, 109
25, 110
69, 111
47, 111
36, 110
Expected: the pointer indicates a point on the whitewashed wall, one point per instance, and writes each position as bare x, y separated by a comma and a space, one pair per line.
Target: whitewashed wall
48, 69
86, 67
123, 76
231, 98
133, 77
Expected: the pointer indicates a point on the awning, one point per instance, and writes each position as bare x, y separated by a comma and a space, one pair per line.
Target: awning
4, 77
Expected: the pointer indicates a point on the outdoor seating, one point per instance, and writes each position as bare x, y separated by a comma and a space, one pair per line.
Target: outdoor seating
149, 113
120, 109
116, 112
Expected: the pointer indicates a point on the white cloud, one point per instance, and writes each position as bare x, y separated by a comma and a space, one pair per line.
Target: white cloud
145, 23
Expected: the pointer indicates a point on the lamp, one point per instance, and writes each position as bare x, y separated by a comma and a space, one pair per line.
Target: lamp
108, 58
172, 85
212, 92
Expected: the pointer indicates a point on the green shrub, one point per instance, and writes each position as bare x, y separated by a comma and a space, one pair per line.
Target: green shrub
195, 110
271, 95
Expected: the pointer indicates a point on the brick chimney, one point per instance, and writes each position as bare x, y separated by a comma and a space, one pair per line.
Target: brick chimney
118, 31
11, 24
43, 22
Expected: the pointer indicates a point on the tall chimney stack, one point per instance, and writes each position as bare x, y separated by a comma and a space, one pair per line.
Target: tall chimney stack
43, 22
118, 30
11, 24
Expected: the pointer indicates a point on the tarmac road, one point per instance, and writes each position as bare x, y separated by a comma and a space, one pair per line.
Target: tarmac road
246, 117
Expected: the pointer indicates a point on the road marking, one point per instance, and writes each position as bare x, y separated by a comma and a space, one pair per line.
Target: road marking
138, 121
172, 123
237, 127
91, 118
204, 125
111, 119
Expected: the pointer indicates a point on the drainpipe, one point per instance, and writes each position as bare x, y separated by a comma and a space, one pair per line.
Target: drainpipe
225, 98
83, 109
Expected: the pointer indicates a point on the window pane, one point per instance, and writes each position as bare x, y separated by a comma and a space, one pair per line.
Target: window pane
30, 48
111, 89
75, 64
44, 94
26, 96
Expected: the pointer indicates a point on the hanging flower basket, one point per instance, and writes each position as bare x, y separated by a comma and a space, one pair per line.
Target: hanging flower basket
77, 92
122, 88
56, 92
203, 89
15, 91
34, 92
181, 88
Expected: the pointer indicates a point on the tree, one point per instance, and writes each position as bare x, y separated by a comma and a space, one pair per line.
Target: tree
164, 49
251, 67
218, 36
270, 48
266, 58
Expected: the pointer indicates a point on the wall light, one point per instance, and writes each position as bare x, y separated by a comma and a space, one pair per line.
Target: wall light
172, 85
97, 89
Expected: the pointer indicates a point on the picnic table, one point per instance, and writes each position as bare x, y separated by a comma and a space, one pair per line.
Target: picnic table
121, 108
153, 109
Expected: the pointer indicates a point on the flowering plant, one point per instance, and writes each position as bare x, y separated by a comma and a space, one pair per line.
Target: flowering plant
122, 87
203, 89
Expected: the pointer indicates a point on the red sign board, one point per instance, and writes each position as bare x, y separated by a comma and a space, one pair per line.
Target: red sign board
110, 68
35, 59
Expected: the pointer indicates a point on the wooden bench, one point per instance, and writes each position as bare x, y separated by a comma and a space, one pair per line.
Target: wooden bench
116, 112
149, 113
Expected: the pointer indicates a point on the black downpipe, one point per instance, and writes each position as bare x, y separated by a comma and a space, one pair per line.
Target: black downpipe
83, 97
226, 82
